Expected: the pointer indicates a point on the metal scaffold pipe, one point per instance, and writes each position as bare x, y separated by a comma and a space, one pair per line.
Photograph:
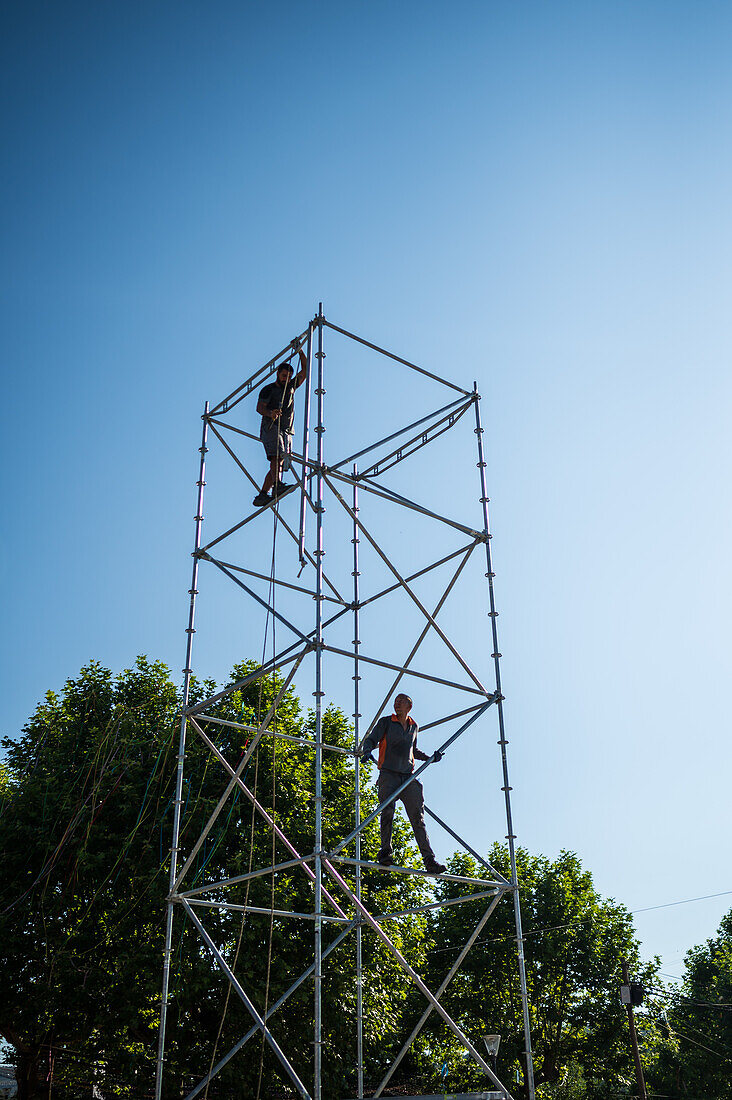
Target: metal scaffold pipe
357, 781
511, 838
305, 449
187, 673
319, 552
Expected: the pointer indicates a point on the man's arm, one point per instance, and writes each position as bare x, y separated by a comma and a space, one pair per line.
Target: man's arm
303, 372
419, 755
264, 410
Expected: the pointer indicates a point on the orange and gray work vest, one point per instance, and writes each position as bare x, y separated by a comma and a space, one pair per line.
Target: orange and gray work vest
397, 745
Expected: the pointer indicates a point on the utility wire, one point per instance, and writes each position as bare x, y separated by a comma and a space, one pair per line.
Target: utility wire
575, 924
696, 1031
709, 1050
687, 1000
686, 901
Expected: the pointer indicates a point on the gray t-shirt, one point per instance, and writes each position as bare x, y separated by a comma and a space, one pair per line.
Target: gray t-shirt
279, 397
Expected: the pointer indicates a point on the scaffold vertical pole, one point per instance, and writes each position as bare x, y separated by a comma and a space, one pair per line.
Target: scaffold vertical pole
357, 783
305, 448
319, 552
511, 838
187, 673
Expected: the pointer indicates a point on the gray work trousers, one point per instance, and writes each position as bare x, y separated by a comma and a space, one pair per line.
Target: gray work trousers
412, 798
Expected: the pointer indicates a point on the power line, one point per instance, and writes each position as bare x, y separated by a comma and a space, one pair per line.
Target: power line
722, 1057
578, 924
687, 1000
686, 901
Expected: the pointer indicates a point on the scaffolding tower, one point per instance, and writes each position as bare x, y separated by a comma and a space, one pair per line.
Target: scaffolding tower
336, 900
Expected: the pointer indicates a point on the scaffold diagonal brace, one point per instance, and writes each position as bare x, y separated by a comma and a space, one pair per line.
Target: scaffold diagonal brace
235, 774
466, 667
398, 678
278, 662
410, 672
450, 407
270, 1012
464, 844
396, 358
269, 820
237, 987
255, 379
416, 443
443, 986
262, 602
414, 576
381, 934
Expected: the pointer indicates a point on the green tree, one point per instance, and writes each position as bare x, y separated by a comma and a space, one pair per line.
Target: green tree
696, 1060
81, 865
86, 801
575, 941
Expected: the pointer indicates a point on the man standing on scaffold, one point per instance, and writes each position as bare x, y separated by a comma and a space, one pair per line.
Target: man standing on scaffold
276, 406
396, 736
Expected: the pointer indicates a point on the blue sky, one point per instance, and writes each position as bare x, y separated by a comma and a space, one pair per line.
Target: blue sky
535, 196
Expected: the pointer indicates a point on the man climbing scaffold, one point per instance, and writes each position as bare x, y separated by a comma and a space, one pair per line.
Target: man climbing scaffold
276, 406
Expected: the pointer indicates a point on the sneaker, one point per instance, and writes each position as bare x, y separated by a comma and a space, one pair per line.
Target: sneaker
283, 488
261, 499
384, 861
435, 868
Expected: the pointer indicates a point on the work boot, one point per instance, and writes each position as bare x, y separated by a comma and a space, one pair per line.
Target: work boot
432, 867
261, 499
384, 861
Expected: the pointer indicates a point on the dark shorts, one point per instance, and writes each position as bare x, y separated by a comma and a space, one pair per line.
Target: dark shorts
276, 444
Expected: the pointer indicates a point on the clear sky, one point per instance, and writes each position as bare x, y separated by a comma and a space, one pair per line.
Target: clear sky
532, 195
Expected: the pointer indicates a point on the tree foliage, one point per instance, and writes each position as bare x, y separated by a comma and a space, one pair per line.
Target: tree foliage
80, 831
696, 1059
86, 808
86, 804
575, 942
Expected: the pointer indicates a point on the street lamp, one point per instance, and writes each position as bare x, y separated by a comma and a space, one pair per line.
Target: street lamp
492, 1043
